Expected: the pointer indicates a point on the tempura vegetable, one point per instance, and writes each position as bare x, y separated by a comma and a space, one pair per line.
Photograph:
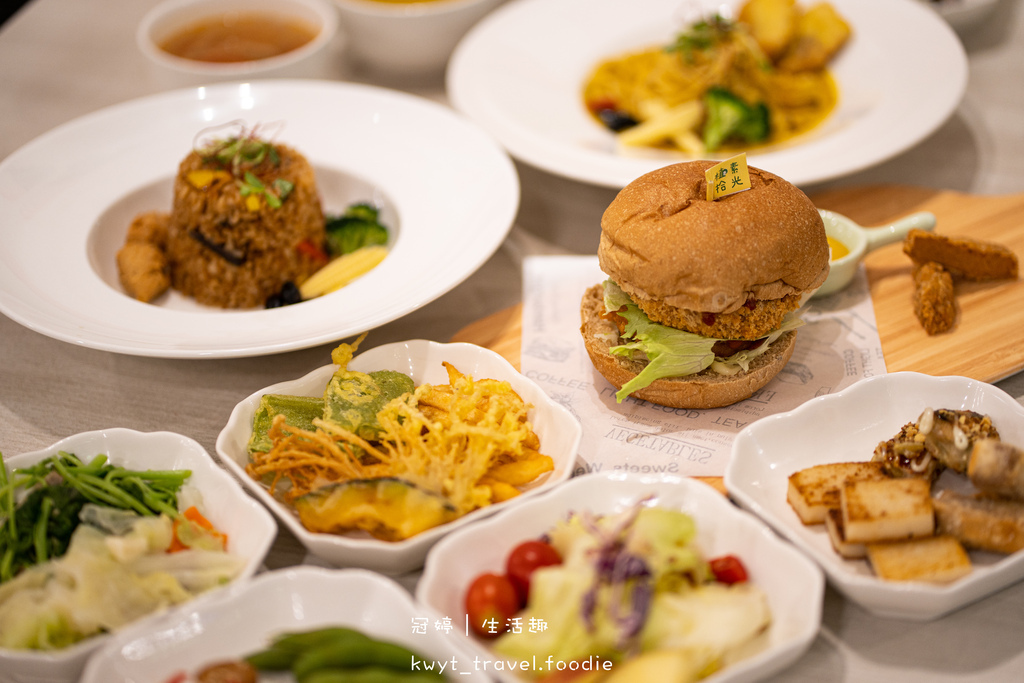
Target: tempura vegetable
392, 459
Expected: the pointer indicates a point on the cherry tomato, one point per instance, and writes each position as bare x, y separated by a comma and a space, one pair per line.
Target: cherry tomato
728, 569
524, 559
491, 601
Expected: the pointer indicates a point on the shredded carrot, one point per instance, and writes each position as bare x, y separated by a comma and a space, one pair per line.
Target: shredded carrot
196, 518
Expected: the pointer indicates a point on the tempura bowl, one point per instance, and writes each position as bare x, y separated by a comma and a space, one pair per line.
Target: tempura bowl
558, 430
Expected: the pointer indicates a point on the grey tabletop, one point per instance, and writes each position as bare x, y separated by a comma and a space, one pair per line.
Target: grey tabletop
62, 59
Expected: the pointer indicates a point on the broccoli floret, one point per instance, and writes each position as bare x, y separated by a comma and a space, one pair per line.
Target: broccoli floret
728, 116
756, 126
363, 211
358, 227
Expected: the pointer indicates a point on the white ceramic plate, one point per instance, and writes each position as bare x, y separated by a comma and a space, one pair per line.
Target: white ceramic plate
250, 528
244, 618
793, 585
847, 426
520, 74
559, 432
447, 191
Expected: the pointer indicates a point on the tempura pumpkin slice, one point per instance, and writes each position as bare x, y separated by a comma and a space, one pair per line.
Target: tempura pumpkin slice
388, 508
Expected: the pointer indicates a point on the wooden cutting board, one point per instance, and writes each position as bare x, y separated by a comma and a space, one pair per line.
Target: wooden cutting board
985, 344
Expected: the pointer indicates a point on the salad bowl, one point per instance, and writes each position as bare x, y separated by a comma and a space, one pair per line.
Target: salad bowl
249, 527
558, 430
793, 586
846, 426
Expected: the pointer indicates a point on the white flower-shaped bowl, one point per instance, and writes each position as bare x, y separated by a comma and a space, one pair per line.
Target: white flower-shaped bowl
846, 426
249, 527
558, 430
793, 585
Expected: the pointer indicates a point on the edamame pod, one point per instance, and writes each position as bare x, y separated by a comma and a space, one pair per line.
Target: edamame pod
272, 659
286, 648
354, 655
305, 640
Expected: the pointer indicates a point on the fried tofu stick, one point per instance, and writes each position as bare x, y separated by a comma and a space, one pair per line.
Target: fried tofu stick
963, 257
934, 301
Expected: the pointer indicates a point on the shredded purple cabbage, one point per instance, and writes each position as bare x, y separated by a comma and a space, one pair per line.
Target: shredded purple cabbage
628, 576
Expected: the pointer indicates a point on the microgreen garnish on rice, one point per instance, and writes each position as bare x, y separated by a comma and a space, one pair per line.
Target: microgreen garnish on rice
241, 150
274, 195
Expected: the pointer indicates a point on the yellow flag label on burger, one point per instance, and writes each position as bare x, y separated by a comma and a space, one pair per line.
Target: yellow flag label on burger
729, 177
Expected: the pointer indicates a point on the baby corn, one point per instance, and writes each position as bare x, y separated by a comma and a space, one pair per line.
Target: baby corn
342, 271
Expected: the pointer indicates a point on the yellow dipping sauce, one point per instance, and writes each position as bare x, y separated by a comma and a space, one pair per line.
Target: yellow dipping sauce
836, 249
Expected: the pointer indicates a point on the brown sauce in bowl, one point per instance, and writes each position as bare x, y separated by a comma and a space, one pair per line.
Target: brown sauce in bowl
239, 37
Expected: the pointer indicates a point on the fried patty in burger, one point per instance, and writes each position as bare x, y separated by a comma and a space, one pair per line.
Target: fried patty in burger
704, 292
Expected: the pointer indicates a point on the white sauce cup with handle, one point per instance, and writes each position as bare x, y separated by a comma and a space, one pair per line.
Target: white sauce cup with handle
860, 241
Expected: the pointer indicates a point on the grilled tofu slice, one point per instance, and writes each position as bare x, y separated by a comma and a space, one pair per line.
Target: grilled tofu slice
812, 491
886, 509
936, 559
837, 535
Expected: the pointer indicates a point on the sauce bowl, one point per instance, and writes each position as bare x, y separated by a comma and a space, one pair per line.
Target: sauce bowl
860, 241
311, 60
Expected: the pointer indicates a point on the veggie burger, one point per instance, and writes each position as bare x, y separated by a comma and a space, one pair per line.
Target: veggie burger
701, 306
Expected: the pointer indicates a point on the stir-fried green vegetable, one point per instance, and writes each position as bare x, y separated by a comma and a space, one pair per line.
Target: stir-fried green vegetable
53, 491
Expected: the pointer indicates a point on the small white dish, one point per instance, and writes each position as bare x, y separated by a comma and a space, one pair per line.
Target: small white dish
169, 17
408, 38
520, 72
793, 585
244, 618
250, 528
847, 426
559, 432
861, 241
447, 191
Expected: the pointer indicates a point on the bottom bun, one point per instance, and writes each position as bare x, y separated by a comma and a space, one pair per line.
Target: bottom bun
706, 389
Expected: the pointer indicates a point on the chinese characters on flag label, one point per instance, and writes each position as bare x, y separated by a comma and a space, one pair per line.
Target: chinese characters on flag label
728, 177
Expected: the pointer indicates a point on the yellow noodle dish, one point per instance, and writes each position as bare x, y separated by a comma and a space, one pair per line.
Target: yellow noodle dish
725, 85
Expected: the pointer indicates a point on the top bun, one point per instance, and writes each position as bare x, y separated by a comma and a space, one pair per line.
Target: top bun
662, 240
